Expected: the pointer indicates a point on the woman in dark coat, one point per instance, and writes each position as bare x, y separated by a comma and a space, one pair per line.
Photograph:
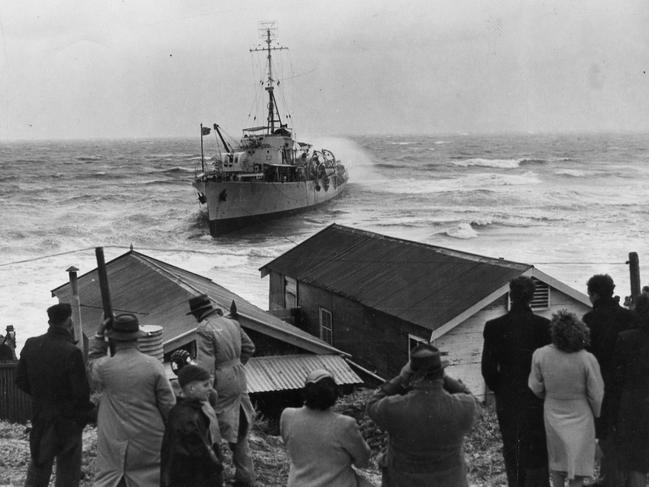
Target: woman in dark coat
630, 397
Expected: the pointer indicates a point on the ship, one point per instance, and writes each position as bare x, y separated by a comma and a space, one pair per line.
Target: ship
268, 173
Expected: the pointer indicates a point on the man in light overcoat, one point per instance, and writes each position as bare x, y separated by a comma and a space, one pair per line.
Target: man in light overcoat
136, 397
223, 349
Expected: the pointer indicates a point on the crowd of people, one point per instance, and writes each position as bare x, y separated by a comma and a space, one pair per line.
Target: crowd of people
568, 390
564, 389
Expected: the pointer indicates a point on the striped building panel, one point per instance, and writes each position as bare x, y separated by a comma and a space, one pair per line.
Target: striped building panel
281, 373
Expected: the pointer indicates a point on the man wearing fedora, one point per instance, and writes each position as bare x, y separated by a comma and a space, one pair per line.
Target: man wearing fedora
136, 397
427, 415
223, 348
52, 372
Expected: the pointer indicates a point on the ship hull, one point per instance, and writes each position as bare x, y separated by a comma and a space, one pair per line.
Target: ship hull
236, 204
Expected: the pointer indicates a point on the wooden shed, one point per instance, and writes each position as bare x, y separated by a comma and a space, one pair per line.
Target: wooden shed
158, 294
375, 297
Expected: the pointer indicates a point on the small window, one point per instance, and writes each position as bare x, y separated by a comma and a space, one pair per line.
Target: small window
326, 326
290, 293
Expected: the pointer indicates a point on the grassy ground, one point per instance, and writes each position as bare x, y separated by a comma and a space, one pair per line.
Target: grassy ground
482, 450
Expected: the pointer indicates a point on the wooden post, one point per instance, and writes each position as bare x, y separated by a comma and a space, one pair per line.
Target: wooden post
105, 291
202, 156
634, 273
76, 308
103, 284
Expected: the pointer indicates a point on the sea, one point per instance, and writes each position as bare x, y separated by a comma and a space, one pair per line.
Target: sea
572, 205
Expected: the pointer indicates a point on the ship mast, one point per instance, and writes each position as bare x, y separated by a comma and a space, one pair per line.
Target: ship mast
268, 32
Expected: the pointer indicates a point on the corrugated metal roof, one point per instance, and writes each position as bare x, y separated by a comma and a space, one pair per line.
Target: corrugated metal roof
419, 283
280, 373
288, 372
157, 293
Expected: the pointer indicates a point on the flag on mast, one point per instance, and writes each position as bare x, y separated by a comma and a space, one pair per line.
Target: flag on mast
205, 130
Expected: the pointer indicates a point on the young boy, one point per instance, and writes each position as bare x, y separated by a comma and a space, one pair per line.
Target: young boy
190, 449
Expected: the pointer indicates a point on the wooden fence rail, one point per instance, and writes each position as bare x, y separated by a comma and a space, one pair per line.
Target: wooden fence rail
15, 405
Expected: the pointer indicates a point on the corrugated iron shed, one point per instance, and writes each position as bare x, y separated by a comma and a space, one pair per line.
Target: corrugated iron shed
419, 283
157, 293
278, 373
288, 372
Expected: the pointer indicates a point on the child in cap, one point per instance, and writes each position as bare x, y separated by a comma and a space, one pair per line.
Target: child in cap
190, 449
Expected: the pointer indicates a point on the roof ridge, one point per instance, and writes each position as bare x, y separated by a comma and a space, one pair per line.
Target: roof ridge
437, 248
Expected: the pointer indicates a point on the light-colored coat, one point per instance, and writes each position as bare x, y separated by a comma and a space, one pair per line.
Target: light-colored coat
223, 348
136, 397
322, 446
573, 388
427, 425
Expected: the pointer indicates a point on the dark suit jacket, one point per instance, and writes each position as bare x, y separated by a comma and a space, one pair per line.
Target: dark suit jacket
606, 321
509, 342
52, 372
629, 397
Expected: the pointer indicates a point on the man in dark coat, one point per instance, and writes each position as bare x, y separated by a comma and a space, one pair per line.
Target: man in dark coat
606, 321
509, 342
427, 415
52, 372
629, 397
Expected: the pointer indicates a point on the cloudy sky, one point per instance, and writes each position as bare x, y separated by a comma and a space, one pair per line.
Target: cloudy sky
109, 68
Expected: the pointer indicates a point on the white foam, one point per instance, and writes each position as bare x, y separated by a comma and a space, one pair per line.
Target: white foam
462, 231
570, 172
497, 163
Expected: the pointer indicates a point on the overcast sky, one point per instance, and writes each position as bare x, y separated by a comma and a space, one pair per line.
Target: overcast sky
88, 68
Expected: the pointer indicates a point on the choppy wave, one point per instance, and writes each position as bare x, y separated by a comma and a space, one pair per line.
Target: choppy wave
576, 173
88, 158
462, 231
497, 163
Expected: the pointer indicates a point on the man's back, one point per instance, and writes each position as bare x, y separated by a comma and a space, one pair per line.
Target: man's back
509, 342
427, 424
51, 370
606, 320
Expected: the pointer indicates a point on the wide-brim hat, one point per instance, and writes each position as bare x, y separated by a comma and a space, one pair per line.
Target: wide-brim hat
125, 328
426, 358
199, 303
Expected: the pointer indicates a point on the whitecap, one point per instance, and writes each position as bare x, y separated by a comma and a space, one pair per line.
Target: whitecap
462, 231
497, 163
570, 172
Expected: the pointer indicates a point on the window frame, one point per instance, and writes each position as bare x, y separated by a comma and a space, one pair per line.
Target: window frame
322, 311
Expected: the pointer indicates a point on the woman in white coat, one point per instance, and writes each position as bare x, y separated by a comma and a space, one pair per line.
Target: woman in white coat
569, 379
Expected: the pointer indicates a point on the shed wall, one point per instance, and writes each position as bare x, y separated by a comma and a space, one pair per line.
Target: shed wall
464, 343
375, 340
276, 291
